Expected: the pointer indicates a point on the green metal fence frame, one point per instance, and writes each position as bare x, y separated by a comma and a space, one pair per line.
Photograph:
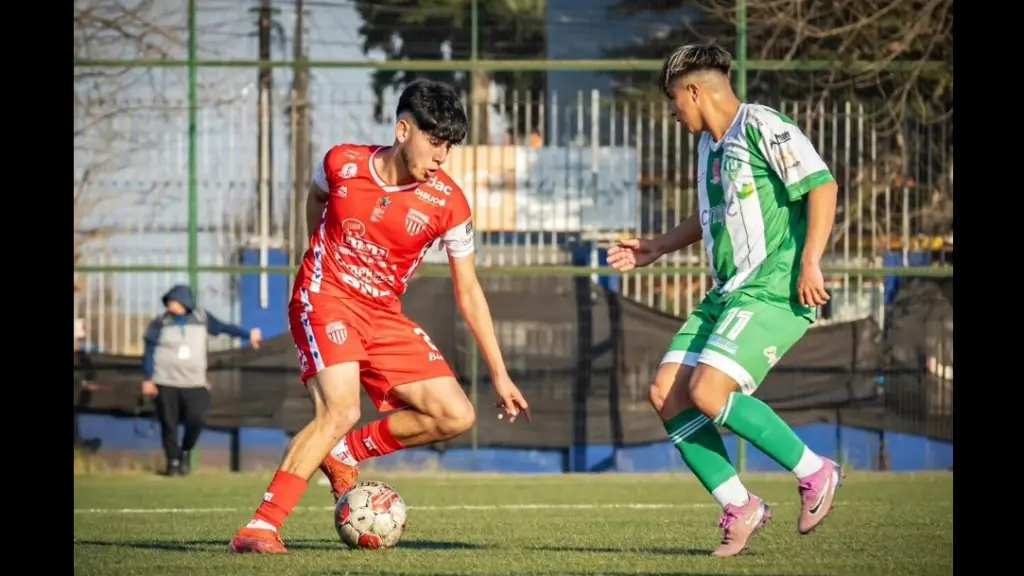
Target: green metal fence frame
473, 64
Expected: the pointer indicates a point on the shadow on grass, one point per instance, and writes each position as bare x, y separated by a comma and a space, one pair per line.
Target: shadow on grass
555, 573
660, 551
222, 545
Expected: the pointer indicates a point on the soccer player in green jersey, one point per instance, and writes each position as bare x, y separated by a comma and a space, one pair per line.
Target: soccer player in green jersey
767, 202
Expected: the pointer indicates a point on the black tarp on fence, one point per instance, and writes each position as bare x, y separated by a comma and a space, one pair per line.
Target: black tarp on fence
584, 358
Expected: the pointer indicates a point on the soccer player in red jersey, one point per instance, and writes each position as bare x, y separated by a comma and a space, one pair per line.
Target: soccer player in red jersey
373, 212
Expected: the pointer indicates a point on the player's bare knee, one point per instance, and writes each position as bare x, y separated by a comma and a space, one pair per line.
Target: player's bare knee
669, 394
336, 422
662, 385
709, 390
335, 393
456, 419
657, 394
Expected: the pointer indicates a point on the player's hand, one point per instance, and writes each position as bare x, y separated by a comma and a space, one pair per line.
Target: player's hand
632, 253
510, 400
149, 389
255, 337
811, 285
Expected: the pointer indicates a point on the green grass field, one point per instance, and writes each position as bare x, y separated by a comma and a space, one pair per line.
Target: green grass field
524, 525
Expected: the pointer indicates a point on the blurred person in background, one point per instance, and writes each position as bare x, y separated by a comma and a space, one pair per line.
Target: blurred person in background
174, 371
84, 385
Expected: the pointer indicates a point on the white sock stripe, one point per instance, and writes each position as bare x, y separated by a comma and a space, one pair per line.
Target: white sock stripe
684, 432
724, 414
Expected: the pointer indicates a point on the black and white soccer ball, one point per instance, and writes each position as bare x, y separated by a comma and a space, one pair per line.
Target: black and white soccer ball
371, 515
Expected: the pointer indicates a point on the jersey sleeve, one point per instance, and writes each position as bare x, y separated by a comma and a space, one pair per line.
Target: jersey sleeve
788, 152
458, 237
330, 166
320, 176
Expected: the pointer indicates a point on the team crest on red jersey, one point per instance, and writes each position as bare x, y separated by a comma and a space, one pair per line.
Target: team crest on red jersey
415, 222
337, 332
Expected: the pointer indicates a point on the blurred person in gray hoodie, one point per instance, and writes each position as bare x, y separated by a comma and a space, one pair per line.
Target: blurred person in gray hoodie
174, 371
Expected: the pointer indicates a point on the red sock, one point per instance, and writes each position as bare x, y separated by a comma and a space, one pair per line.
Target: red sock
373, 440
284, 493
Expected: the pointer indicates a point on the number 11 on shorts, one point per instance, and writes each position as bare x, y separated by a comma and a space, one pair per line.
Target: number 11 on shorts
735, 321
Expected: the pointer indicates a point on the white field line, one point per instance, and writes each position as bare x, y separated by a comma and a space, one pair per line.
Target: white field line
454, 507
466, 507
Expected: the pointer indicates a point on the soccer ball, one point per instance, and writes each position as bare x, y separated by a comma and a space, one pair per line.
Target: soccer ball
371, 515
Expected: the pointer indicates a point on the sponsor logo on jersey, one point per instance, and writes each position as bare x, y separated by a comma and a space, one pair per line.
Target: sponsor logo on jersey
439, 186
343, 191
415, 222
337, 332
366, 248
367, 274
745, 190
349, 170
717, 214
367, 287
789, 160
380, 209
352, 227
430, 198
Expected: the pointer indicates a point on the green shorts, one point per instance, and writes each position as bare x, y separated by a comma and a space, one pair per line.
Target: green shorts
739, 335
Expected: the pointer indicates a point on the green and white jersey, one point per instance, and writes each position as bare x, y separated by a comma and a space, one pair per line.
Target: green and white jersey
752, 188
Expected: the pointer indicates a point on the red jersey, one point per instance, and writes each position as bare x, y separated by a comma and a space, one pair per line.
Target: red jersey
373, 236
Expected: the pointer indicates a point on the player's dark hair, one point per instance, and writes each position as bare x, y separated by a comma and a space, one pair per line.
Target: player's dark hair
436, 109
693, 58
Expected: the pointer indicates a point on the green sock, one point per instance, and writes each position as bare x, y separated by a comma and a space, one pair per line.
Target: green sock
701, 447
754, 421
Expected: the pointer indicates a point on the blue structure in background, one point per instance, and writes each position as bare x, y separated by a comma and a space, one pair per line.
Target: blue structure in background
895, 260
582, 255
859, 449
272, 320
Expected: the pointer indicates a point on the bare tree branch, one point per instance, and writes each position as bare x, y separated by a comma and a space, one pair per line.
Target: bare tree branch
904, 163
122, 115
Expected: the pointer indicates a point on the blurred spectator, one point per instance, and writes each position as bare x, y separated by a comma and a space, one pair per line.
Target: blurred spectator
84, 386
174, 371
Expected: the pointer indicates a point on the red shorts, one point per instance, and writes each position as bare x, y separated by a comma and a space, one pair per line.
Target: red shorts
390, 348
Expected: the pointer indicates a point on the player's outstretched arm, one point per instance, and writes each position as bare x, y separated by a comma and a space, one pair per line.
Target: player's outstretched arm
472, 303
637, 252
685, 233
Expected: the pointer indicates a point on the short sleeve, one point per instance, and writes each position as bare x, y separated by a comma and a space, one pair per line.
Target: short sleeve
326, 167
320, 176
788, 152
458, 237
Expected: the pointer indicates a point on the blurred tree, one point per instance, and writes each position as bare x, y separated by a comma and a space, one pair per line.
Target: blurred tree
882, 31
898, 101
441, 29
